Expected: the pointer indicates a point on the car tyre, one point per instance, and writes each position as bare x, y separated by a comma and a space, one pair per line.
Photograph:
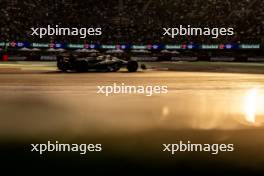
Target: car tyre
132, 66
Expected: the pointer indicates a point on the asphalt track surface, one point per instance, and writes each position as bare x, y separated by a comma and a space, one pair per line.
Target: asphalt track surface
204, 104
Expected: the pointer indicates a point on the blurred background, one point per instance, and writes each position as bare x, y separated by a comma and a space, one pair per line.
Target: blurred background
216, 100
133, 21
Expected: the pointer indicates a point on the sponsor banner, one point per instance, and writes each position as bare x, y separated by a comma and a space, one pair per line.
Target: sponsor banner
172, 47
249, 46
75, 46
108, 46
210, 47
137, 47
40, 45
190, 46
2, 44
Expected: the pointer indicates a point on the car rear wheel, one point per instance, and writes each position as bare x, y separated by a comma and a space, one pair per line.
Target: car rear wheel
62, 66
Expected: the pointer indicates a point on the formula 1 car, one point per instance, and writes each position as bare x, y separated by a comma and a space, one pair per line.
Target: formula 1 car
104, 63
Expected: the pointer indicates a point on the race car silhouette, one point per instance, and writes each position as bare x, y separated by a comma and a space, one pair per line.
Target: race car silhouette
105, 63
